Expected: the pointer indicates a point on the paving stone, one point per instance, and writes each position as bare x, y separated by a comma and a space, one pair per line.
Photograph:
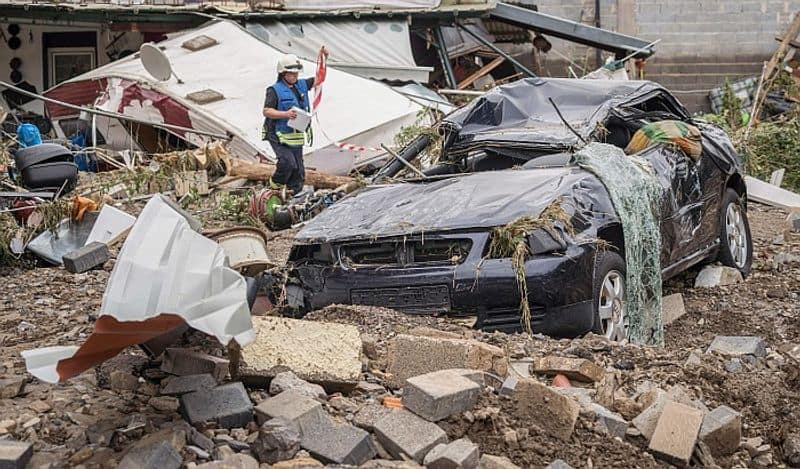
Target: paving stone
722, 431
555, 413
738, 346
288, 380
489, 461
676, 433
278, 440
437, 395
459, 454
304, 412
178, 385
672, 308
339, 444
324, 353
86, 258
577, 369
11, 387
389, 464
402, 432
15, 454
558, 464
159, 455
717, 276
184, 362
201, 441
369, 415
228, 405
411, 356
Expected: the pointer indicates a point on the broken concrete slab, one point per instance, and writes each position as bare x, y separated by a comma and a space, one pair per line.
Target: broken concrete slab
182, 362
305, 413
722, 431
555, 413
288, 380
672, 308
411, 356
389, 464
437, 395
159, 455
277, 440
521, 368
717, 276
11, 387
676, 434
508, 387
614, 423
654, 401
228, 405
324, 353
577, 369
765, 193
489, 461
339, 444
458, 454
738, 345
179, 385
15, 454
403, 433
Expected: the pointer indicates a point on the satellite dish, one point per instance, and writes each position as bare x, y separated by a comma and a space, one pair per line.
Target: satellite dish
156, 62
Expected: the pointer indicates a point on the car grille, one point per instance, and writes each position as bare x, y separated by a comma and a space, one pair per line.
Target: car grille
406, 252
420, 300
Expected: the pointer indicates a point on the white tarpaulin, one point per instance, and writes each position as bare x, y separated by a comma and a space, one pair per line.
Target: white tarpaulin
164, 267
358, 4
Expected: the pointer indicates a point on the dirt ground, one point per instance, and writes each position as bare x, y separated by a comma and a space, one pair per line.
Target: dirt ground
49, 306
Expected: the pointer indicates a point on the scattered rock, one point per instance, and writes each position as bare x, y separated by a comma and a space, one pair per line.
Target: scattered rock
676, 433
437, 395
388, 464
578, 369
734, 365
722, 431
152, 455
555, 413
277, 440
672, 308
558, 464
301, 462
288, 380
184, 362
15, 454
402, 432
339, 444
369, 345
179, 385
228, 405
164, 403
791, 449
303, 412
11, 387
613, 423
235, 461
738, 346
370, 388
489, 461
81, 456
793, 222
199, 452
717, 276
459, 454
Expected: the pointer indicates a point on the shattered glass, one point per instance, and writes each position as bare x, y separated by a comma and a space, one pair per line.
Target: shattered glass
634, 189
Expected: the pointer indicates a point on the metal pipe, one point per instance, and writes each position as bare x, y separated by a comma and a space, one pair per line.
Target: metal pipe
597, 55
113, 114
497, 50
445, 59
408, 154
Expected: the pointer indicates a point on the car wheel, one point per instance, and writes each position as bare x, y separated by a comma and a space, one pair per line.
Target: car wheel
736, 244
610, 319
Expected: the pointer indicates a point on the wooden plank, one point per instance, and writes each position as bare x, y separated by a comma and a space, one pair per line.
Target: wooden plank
769, 71
483, 71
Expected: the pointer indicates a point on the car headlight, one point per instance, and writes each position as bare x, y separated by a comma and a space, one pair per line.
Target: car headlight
541, 241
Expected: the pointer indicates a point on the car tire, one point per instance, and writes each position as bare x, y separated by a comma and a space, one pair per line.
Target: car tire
735, 241
609, 296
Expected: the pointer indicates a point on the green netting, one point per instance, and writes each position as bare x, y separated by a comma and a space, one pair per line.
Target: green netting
635, 193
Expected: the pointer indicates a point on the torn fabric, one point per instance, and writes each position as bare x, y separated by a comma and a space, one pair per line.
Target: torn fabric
163, 272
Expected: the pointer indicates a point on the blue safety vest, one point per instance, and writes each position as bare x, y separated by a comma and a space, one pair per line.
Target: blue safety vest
287, 99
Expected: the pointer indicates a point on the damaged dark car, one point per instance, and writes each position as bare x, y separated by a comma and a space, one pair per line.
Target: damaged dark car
422, 246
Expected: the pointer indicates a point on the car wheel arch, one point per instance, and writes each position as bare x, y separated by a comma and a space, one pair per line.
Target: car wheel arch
736, 182
613, 235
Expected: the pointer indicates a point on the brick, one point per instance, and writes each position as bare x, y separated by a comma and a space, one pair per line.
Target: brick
411, 356
489, 461
578, 369
160, 455
179, 385
184, 362
323, 353
672, 307
288, 380
305, 413
339, 444
553, 412
228, 405
277, 440
676, 433
402, 433
722, 431
717, 276
15, 454
738, 345
437, 395
459, 454
86, 258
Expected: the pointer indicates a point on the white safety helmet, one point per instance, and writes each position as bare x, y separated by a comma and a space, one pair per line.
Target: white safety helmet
289, 63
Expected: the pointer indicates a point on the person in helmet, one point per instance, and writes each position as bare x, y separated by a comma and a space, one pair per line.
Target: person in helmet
288, 91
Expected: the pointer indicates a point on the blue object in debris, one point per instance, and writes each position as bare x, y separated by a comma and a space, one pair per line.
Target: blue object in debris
28, 135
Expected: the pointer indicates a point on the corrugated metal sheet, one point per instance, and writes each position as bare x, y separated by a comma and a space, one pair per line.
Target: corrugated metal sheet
507, 33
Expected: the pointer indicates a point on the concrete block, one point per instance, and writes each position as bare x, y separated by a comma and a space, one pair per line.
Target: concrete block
521, 368
672, 307
304, 412
437, 395
369, 415
179, 385
676, 434
614, 423
15, 454
86, 258
509, 385
489, 461
159, 455
402, 433
277, 440
288, 380
717, 276
722, 431
411, 356
324, 353
339, 444
578, 369
459, 454
184, 362
228, 405
555, 413
738, 345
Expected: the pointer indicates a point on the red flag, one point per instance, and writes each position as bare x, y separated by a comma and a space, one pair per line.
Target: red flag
319, 79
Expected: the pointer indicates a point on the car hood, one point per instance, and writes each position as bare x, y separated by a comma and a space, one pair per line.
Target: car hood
479, 200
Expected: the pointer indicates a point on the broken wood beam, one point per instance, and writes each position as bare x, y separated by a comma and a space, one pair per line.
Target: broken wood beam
253, 171
481, 72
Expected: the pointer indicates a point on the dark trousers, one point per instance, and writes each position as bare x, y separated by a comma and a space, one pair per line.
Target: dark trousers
290, 169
